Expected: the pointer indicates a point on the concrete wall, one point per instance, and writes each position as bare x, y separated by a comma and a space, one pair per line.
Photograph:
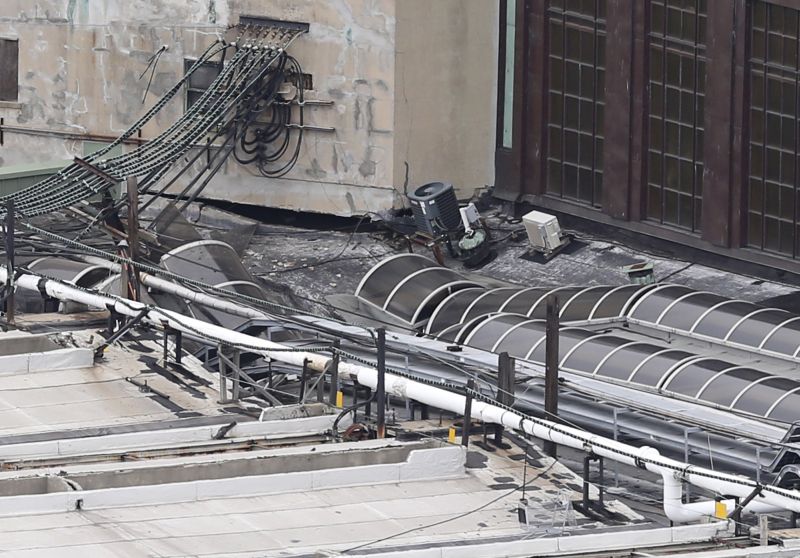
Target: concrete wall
80, 63
446, 74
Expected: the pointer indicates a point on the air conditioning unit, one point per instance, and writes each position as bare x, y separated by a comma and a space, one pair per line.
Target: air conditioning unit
544, 232
435, 208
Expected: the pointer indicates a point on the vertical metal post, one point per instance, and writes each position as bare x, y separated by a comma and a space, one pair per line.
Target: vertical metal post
758, 465
223, 388
686, 460
334, 373
505, 389
133, 236
355, 400
616, 438
178, 346
586, 460
270, 380
380, 394
687, 488
10, 318
321, 388
125, 270
303, 380
166, 343
237, 377
368, 406
551, 369
467, 414
601, 484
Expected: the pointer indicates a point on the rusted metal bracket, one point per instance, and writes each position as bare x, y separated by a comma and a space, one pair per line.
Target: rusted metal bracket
310, 128
99, 172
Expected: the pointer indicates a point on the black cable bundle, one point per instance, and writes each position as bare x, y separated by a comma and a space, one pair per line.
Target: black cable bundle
265, 143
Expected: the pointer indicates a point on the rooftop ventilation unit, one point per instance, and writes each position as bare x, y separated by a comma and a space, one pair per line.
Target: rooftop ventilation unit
435, 208
544, 232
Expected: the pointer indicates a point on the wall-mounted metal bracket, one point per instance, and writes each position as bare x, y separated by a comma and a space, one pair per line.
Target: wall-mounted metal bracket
258, 21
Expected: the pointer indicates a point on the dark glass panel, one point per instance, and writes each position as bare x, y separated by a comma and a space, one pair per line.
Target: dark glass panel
753, 331
655, 302
653, 370
567, 339
524, 300
723, 389
491, 301
520, 340
489, 332
540, 310
580, 306
623, 362
719, 321
409, 296
685, 313
381, 282
613, 304
693, 376
788, 410
785, 340
586, 357
761, 396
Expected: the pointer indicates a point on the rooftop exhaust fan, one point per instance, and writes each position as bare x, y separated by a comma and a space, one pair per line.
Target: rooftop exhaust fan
435, 209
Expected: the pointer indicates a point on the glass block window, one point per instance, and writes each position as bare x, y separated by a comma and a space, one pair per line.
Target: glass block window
772, 198
576, 73
677, 44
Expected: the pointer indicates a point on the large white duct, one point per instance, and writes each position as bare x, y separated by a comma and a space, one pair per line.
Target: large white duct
673, 473
173, 288
161, 317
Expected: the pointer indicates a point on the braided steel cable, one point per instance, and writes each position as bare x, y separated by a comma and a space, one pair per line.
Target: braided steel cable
244, 72
94, 184
70, 170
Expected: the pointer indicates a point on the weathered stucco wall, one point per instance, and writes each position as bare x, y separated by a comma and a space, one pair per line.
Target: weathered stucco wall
349, 51
80, 63
446, 95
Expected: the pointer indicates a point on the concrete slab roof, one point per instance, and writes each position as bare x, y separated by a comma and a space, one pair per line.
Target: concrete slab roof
477, 505
110, 392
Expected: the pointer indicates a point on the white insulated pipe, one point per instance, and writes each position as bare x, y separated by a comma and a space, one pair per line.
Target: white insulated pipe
173, 288
174, 320
673, 472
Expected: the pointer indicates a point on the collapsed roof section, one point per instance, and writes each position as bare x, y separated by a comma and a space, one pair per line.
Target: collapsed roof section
450, 306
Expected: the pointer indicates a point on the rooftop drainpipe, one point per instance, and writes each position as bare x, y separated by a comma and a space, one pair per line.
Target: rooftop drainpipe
758, 498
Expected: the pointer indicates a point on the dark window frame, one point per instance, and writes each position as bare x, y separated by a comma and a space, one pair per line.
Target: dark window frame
585, 156
193, 90
667, 46
772, 184
9, 69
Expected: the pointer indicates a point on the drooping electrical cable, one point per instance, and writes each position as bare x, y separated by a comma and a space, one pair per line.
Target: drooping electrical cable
239, 78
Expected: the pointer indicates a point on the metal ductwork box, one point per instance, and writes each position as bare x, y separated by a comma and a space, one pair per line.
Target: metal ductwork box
435, 208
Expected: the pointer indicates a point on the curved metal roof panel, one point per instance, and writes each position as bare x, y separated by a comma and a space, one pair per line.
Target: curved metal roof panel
508, 319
